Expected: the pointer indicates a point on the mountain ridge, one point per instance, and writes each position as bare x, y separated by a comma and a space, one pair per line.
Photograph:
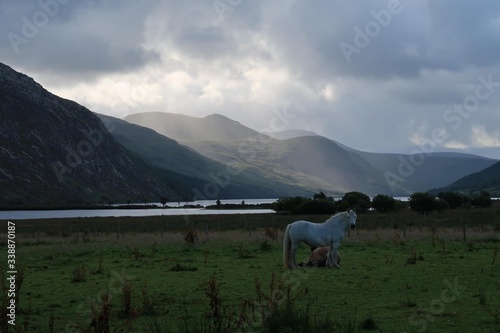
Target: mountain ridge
55, 151
315, 162
183, 128
166, 153
485, 180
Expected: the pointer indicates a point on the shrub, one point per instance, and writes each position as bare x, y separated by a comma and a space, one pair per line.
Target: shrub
272, 233
78, 274
482, 199
100, 319
384, 203
126, 298
358, 201
190, 237
287, 204
454, 200
422, 202
316, 206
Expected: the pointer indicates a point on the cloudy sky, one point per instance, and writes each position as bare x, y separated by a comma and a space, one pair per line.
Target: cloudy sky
380, 76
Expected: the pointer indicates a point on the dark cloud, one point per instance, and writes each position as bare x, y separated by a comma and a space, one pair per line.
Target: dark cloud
244, 58
209, 43
81, 40
465, 33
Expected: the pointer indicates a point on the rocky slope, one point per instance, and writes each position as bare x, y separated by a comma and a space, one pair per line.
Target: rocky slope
55, 151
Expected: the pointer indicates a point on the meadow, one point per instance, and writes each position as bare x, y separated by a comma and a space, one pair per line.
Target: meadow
400, 272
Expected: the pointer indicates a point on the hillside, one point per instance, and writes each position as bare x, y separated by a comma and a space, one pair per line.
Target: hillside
290, 134
484, 180
311, 162
157, 149
163, 152
184, 128
54, 151
436, 170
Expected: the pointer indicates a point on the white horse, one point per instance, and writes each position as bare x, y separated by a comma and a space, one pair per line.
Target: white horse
330, 232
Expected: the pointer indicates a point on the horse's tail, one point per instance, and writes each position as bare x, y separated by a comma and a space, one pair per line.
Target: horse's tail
286, 247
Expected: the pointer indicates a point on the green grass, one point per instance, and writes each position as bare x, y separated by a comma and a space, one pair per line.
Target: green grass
450, 287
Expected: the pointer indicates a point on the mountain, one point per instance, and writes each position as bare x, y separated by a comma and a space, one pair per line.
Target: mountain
54, 151
424, 172
157, 149
312, 162
485, 180
184, 128
290, 134
165, 153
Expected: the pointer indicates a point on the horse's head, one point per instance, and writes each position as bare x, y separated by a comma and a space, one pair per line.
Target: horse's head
352, 218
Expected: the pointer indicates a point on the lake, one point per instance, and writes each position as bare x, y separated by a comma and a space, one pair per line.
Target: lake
176, 209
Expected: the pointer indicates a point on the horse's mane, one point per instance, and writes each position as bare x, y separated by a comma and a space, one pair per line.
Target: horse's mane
334, 216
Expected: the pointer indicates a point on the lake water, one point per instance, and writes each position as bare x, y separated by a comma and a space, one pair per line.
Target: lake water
177, 209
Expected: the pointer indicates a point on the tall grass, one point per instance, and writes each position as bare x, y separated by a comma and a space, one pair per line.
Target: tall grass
273, 224
273, 306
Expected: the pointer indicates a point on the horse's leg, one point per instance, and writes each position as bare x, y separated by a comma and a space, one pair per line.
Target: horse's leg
332, 256
293, 250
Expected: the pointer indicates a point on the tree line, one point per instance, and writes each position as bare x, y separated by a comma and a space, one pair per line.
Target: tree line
420, 202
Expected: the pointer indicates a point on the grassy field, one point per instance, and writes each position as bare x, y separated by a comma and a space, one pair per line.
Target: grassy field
400, 272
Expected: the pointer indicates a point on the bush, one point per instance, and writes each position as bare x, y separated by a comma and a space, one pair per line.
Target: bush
357, 200
287, 204
272, 233
78, 274
316, 206
441, 205
320, 204
454, 200
482, 199
383, 203
190, 237
422, 202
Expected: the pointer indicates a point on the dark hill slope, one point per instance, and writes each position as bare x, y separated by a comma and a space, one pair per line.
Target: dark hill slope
434, 170
325, 159
55, 151
485, 180
165, 153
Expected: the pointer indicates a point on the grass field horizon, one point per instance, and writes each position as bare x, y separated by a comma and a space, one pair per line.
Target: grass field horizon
400, 272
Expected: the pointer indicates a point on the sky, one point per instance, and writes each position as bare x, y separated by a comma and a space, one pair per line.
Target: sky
379, 76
